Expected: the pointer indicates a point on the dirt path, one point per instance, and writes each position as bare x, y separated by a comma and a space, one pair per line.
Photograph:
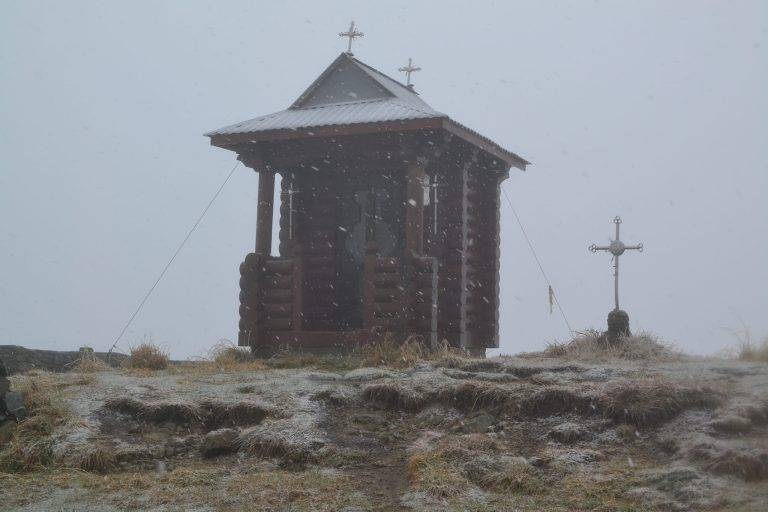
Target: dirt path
381, 437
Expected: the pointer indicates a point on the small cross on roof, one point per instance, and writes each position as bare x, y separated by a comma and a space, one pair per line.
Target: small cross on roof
408, 70
352, 34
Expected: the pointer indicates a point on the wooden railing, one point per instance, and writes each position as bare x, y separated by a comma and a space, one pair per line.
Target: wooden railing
270, 297
400, 294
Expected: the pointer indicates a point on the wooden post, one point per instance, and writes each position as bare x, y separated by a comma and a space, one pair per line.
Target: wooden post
369, 288
297, 289
414, 209
264, 212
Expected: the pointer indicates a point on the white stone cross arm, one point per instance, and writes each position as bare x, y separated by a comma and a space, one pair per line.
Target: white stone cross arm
616, 248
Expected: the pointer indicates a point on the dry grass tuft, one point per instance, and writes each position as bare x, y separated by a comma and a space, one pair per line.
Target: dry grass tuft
731, 424
228, 357
650, 402
393, 395
474, 394
156, 412
31, 444
456, 462
88, 362
591, 345
555, 400
210, 413
459, 361
430, 472
231, 414
283, 440
289, 357
503, 474
148, 356
386, 351
97, 459
748, 466
751, 350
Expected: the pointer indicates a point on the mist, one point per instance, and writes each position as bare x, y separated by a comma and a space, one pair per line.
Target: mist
654, 111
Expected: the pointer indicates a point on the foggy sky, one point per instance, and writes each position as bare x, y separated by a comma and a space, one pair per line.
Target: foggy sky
655, 111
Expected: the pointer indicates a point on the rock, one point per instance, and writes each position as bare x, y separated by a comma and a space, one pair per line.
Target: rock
568, 433
425, 442
618, 326
219, 442
5, 385
480, 423
368, 374
14, 405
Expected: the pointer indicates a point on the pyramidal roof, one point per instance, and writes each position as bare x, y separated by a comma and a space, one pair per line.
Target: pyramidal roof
349, 92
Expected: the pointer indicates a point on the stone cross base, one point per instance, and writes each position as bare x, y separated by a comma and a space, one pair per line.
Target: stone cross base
618, 326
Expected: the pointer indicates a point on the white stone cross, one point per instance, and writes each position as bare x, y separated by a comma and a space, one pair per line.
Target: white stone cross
617, 248
352, 34
408, 70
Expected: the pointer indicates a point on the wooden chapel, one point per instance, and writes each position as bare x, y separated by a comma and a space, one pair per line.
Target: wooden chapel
389, 219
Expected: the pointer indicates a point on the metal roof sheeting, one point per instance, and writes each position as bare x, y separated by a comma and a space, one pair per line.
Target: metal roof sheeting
391, 102
373, 111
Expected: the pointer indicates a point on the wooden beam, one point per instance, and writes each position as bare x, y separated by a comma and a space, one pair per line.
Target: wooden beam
264, 212
414, 208
484, 144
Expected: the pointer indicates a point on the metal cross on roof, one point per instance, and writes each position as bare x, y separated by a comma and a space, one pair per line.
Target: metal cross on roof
352, 34
408, 70
617, 248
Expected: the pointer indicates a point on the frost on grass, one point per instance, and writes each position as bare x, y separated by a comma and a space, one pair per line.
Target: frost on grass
287, 439
206, 412
650, 402
591, 345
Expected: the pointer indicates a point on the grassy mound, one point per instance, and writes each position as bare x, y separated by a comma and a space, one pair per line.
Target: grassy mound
650, 402
207, 413
591, 345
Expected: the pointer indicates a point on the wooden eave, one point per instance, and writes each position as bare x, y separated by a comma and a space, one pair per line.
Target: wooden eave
231, 141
